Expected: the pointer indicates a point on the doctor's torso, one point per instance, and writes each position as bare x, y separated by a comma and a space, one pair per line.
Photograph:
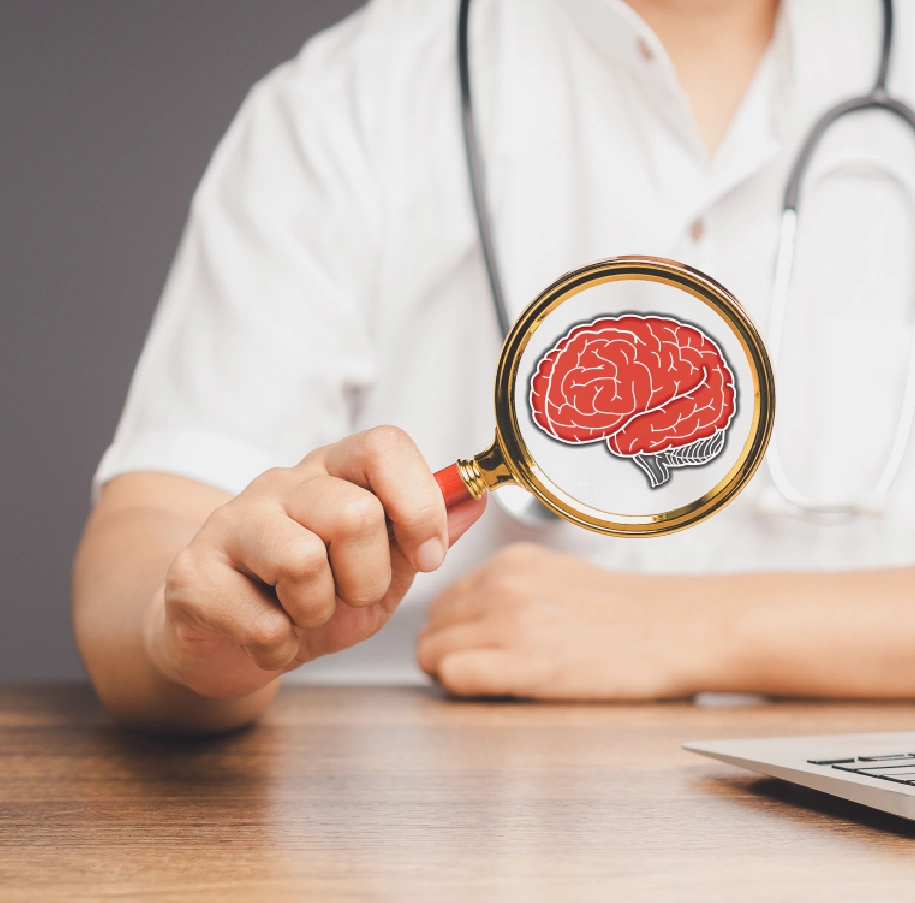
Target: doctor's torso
331, 278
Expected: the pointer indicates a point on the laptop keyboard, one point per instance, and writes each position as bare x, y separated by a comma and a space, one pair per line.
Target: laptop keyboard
899, 768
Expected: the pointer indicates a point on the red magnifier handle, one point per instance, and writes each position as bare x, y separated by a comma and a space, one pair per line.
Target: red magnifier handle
454, 489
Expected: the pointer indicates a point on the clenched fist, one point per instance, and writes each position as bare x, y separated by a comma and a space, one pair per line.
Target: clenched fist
306, 561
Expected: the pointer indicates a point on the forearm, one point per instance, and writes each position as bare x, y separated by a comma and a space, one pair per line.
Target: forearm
802, 634
537, 623
118, 580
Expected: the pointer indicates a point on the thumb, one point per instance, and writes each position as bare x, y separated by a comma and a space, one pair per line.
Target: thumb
463, 517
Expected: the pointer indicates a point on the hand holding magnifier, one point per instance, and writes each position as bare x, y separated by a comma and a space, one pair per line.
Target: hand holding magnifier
633, 397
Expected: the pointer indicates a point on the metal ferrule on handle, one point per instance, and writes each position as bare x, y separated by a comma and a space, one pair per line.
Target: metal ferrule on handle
470, 478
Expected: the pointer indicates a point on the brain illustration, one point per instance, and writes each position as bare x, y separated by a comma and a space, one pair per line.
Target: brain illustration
656, 390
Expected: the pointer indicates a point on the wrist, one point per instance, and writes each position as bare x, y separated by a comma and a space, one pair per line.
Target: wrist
710, 611
172, 704
644, 636
694, 637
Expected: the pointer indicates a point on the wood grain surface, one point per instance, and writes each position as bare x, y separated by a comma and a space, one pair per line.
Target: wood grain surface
378, 794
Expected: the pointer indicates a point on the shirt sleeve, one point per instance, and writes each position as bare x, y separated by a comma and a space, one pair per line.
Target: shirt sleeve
262, 333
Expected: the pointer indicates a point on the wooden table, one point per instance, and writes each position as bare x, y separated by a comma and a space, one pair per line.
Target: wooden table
359, 794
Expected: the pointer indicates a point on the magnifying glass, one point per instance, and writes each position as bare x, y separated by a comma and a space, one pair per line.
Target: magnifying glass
634, 396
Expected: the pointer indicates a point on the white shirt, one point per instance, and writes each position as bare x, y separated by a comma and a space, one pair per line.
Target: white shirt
330, 276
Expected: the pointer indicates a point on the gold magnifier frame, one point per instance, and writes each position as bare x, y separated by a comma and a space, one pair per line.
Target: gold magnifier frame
509, 460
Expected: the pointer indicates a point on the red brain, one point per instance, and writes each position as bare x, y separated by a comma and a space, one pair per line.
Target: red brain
645, 384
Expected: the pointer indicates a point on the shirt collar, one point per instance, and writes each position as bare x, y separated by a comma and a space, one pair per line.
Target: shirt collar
624, 39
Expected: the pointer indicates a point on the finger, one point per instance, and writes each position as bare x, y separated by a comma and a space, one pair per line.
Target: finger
433, 647
211, 596
387, 461
484, 672
460, 602
459, 608
402, 576
463, 517
272, 547
351, 521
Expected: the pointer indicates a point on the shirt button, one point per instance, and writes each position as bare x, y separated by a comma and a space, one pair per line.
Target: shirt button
645, 51
697, 229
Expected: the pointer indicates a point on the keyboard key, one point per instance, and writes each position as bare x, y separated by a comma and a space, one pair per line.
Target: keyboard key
883, 772
905, 777
899, 757
830, 761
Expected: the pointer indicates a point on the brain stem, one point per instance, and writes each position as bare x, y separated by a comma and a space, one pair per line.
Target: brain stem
654, 467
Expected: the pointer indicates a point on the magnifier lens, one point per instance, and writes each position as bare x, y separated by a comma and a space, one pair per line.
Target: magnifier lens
633, 396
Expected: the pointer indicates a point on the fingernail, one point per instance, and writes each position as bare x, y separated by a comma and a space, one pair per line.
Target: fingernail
429, 555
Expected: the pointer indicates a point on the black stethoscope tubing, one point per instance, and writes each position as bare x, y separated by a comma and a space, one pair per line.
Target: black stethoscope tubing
475, 171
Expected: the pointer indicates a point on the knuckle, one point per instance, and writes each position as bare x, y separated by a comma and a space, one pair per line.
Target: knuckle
182, 574
224, 521
384, 440
270, 481
298, 559
309, 557
361, 514
314, 458
267, 633
274, 475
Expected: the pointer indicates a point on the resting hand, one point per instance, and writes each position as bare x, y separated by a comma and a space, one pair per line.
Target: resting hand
536, 623
307, 561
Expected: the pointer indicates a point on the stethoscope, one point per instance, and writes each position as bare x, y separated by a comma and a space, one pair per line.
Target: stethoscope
523, 507
791, 497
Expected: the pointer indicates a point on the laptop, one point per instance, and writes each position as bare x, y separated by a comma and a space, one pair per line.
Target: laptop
876, 770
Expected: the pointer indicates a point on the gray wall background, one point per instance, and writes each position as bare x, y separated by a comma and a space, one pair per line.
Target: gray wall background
109, 111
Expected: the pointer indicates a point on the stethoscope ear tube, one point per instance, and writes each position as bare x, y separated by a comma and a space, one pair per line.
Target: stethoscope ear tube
791, 498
